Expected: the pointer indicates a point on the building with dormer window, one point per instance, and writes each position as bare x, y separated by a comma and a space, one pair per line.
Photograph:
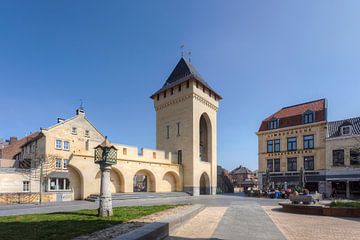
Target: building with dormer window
343, 158
291, 139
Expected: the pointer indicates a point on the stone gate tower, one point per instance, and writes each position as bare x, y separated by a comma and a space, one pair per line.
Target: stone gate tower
186, 108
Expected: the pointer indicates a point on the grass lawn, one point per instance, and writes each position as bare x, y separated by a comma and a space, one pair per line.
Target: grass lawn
67, 225
345, 204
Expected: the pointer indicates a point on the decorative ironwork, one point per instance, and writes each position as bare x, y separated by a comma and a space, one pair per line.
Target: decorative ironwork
106, 153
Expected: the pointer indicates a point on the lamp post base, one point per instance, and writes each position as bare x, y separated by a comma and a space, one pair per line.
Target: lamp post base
105, 208
105, 205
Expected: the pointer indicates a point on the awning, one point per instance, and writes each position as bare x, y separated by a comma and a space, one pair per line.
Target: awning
343, 179
59, 175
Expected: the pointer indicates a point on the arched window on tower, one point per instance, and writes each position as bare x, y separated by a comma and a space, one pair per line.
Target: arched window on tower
203, 140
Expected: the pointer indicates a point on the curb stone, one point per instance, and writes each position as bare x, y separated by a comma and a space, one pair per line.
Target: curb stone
160, 230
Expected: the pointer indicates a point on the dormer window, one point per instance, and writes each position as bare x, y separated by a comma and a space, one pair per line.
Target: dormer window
308, 117
273, 124
346, 130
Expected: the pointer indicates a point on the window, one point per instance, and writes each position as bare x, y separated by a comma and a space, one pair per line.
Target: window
277, 145
158, 97
26, 186
309, 163
87, 145
346, 130
59, 184
338, 157
274, 124
179, 156
87, 133
167, 132
164, 94
124, 151
291, 164
154, 155
74, 130
58, 144
178, 128
309, 142
270, 165
66, 145
187, 84
276, 165
308, 117
58, 163
180, 88
65, 163
172, 91
355, 156
270, 146
291, 144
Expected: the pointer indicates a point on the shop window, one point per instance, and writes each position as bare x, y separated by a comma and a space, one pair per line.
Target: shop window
338, 157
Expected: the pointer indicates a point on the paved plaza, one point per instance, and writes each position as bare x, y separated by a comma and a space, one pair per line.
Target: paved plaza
227, 217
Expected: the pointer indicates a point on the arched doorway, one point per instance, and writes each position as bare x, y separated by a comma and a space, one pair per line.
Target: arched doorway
76, 182
116, 180
144, 181
204, 184
171, 182
205, 138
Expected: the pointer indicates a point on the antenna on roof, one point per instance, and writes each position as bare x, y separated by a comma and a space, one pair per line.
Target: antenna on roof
182, 50
81, 105
189, 56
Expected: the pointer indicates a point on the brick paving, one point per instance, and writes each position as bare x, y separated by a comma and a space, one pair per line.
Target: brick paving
299, 226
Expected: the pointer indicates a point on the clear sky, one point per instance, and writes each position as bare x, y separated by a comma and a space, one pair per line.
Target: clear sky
259, 55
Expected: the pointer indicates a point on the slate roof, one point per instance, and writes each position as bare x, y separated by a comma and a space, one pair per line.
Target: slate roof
240, 169
333, 128
182, 72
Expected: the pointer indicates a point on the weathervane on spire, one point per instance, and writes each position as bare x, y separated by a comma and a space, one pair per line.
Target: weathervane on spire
189, 56
182, 50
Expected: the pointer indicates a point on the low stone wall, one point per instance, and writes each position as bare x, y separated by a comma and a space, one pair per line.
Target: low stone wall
16, 198
320, 210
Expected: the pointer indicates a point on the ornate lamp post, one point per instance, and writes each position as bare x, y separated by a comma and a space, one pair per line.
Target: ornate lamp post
105, 156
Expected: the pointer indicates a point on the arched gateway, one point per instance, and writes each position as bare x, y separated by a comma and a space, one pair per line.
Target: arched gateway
185, 156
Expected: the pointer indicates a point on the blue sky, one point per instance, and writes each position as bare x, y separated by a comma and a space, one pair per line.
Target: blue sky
259, 55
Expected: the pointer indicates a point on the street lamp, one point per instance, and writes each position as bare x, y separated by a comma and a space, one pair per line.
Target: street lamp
105, 156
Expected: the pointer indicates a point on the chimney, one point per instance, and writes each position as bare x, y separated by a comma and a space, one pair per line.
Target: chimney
12, 140
60, 120
80, 111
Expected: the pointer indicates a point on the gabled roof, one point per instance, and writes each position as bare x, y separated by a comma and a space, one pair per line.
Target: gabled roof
240, 169
11, 150
333, 128
182, 72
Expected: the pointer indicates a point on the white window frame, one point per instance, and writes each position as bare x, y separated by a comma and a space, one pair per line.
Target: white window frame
342, 130
58, 160
26, 186
65, 163
68, 146
57, 185
56, 144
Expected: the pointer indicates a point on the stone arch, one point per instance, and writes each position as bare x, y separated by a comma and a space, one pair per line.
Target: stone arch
204, 183
76, 182
116, 180
144, 181
171, 182
205, 138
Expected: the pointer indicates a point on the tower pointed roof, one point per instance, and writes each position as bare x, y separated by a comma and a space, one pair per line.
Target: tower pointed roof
182, 72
